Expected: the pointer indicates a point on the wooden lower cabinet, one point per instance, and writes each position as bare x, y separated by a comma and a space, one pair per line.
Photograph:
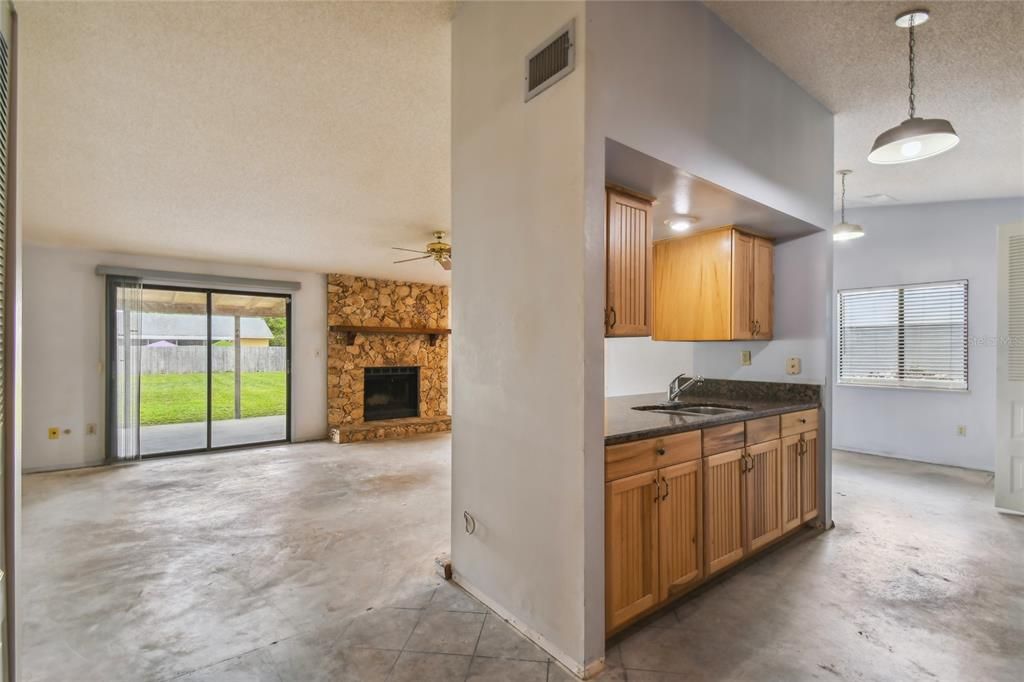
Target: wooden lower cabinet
762, 483
799, 479
809, 477
723, 496
631, 547
680, 527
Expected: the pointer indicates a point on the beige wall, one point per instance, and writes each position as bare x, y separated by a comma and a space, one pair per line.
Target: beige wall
64, 350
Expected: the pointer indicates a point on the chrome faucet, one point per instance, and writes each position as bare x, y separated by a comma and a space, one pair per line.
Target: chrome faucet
675, 389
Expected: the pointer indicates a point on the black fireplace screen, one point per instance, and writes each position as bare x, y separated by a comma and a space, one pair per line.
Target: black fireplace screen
391, 393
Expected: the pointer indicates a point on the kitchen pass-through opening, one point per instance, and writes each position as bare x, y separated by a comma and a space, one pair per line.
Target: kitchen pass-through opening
391, 393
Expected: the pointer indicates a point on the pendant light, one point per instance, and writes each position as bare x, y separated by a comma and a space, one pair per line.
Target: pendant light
845, 231
916, 138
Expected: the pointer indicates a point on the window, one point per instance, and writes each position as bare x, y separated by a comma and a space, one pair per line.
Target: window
911, 336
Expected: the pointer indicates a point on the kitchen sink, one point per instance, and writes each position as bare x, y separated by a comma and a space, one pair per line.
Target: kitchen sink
685, 409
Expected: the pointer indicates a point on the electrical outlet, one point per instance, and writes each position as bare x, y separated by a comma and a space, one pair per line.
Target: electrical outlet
744, 357
53, 433
793, 366
90, 429
961, 430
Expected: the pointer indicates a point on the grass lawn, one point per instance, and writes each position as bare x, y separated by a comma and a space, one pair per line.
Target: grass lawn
180, 398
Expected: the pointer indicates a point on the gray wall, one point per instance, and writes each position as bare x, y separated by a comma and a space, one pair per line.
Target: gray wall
64, 349
927, 243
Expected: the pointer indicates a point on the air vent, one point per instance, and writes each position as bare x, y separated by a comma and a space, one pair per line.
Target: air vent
552, 61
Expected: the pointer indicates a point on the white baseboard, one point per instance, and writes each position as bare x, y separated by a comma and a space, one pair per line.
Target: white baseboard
571, 664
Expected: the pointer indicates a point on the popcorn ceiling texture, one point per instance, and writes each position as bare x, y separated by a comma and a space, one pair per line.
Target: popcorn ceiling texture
361, 301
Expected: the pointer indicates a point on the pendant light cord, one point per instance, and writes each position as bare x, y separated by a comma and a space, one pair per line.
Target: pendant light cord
842, 201
913, 109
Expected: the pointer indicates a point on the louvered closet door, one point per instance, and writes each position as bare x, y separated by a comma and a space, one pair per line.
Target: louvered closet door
628, 310
763, 480
723, 507
680, 527
1009, 460
631, 547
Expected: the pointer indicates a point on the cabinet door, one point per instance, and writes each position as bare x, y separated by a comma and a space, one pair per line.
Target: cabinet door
680, 527
742, 286
723, 509
763, 288
764, 493
792, 451
809, 477
628, 310
631, 547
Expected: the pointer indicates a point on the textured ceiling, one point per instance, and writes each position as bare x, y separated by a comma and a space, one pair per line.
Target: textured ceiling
311, 136
853, 59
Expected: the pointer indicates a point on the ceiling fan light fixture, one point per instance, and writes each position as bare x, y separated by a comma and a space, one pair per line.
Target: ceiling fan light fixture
915, 138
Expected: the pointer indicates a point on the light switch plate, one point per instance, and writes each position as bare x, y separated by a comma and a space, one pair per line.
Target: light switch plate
744, 357
793, 366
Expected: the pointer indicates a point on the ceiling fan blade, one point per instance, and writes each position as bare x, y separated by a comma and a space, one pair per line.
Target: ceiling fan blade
446, 263
399, 248
409, 260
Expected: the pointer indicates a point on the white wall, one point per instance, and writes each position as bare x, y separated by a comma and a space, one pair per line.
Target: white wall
674, 82
518, 384
927, 243
64, 349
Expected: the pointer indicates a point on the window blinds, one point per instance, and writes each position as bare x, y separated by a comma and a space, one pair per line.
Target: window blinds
911, 336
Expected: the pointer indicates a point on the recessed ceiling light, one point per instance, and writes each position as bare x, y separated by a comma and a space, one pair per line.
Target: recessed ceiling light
681, 223
916, 138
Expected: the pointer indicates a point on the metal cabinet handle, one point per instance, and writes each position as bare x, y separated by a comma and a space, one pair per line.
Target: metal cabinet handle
660, 451
750, 458
665, 496
657, 489
613, 319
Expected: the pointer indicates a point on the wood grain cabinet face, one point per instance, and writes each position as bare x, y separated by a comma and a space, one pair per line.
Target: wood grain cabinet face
713, 286
631, 547
680, 527
809, 477
763, 493
723, 506
628, 296
792, 447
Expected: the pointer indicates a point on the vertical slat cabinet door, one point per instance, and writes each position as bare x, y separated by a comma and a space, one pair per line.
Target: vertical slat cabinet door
680, 527
742, 286
628, 308
764, 286
631, 547
809, 477
764, 493
792, 512
723, 510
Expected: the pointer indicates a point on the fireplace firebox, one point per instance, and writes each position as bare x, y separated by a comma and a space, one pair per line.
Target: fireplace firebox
391, 393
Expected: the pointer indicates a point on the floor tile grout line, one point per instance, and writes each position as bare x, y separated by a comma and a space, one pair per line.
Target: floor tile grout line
476, 645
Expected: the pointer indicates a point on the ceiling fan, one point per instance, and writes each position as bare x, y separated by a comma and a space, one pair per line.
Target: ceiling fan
439, 250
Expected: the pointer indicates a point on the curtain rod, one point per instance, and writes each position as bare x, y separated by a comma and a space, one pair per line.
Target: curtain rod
168, 277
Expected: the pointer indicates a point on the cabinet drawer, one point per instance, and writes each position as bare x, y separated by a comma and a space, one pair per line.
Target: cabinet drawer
762, 430
798, 422
644, 455
723, 438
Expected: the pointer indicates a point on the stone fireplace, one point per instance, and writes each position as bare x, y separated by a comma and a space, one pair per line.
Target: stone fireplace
387, 358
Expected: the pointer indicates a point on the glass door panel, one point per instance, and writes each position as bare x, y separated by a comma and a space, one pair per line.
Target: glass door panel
249, 387
173, 407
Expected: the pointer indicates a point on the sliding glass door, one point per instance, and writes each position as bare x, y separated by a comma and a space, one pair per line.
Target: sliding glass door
203, 369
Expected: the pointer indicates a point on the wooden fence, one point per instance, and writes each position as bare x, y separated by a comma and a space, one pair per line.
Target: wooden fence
190, 359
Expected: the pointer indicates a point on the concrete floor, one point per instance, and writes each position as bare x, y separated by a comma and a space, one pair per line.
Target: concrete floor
262, 566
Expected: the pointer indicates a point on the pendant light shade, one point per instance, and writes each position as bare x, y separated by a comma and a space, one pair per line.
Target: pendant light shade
916, 138
844, 231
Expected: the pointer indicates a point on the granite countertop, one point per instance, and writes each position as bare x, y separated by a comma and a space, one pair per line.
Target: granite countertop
762, 399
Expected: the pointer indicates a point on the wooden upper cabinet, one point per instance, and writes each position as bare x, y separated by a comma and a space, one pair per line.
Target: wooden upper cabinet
631, 547
713, 286
628, 296
680, 527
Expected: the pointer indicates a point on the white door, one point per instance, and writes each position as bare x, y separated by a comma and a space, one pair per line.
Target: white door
1010, 371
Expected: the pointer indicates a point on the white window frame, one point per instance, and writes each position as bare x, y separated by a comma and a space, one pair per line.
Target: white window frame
904, 383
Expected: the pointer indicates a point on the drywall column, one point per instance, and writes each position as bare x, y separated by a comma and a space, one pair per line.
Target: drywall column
521, 402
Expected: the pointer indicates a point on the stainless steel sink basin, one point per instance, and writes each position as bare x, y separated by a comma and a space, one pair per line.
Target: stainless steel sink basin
691, 410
